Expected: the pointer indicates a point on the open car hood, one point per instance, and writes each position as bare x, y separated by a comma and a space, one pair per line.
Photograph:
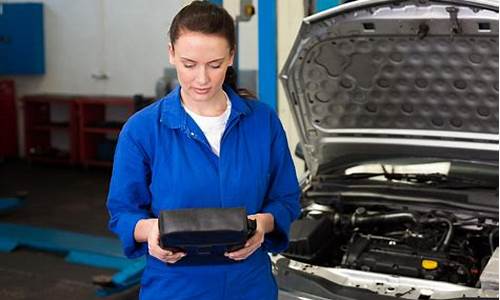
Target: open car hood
372, 80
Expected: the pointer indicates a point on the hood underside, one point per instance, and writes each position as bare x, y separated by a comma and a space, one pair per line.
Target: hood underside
385, 79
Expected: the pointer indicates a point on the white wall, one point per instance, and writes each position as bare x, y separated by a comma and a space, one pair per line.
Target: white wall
290, 15
248, 36
125, 39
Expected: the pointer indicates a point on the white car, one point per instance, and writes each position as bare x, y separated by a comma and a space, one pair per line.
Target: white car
397, 108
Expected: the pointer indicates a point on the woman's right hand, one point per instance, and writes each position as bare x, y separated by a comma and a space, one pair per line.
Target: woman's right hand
154, 246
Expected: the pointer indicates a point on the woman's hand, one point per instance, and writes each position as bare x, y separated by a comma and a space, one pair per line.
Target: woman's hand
153, 239
265, 224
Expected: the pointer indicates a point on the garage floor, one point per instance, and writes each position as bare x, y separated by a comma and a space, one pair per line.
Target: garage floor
62, 198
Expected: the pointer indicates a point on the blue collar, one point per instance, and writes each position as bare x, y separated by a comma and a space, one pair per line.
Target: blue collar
173, 114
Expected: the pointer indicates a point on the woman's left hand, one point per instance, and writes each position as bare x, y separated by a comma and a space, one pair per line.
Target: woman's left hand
265, 224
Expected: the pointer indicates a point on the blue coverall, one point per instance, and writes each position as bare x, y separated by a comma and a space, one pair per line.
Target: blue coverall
163, 161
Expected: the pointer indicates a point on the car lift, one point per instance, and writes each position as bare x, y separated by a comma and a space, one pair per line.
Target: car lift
9, 204
79, 248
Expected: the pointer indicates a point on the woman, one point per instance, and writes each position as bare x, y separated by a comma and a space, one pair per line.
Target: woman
203, 145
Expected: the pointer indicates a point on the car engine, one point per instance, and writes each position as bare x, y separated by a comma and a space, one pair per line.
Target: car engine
434, 245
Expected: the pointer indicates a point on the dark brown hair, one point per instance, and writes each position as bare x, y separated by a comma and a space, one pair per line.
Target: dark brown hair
208, 18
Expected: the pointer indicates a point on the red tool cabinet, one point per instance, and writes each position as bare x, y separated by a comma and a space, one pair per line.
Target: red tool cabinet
40, 128
98, 133
90, 124
8, 119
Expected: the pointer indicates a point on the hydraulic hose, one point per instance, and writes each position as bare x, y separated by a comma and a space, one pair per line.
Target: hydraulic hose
445, 240
359, 220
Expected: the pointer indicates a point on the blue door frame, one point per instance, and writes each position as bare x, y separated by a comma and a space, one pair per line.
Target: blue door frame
268, 50
267, 75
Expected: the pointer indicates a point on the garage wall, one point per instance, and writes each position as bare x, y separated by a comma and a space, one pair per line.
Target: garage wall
86, 40
290, 15
124, 40
248, 36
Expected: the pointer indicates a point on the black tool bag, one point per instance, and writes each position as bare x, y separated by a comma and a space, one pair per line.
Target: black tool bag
205, 234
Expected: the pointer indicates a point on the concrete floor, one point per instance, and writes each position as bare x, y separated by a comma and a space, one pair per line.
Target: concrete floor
59, 197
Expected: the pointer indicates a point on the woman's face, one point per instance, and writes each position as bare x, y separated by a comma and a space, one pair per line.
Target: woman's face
201, 62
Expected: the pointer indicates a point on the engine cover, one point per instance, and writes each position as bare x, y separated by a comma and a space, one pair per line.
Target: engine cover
390, 257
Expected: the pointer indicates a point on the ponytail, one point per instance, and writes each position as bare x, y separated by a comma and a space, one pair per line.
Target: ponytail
231, 80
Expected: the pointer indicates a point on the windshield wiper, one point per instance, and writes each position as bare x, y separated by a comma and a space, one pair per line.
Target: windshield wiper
434, 179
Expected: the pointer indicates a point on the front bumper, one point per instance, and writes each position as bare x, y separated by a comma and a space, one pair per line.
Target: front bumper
305, 282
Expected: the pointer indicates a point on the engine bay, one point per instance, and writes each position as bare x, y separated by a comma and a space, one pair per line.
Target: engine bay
435, 245
397, 198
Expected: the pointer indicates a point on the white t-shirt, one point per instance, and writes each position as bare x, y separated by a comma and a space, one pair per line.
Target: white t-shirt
212, 127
